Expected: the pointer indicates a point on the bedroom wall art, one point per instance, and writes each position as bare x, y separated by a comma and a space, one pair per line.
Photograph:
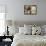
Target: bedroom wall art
30, 9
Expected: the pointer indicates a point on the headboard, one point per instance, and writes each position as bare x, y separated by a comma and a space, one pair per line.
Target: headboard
21, 23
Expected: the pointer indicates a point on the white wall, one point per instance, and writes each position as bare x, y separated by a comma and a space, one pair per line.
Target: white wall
15, 9
41, 11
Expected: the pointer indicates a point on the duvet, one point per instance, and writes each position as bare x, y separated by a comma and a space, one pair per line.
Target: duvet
29, 40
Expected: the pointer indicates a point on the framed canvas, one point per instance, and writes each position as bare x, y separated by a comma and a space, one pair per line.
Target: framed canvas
30, 9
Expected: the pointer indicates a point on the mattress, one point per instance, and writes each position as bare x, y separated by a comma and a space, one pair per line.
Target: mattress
28, 40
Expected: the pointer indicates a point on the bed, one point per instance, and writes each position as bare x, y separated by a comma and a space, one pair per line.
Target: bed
24, 38
29, 40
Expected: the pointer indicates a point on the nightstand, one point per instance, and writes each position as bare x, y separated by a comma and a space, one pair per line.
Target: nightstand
5, 42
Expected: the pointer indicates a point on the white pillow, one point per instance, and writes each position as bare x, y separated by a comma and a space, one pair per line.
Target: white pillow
42, 30
23, 30
28, 26
13, 30
28, 29
44, 27
36, 30
33, 30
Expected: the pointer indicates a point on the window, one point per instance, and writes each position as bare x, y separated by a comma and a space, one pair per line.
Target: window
2, 19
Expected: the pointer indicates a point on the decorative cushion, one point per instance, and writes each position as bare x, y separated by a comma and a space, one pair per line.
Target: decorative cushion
28, 26
21, 30
28, 31
44, 29
44, 26
24, 30
13, 30
36, 30
33, 30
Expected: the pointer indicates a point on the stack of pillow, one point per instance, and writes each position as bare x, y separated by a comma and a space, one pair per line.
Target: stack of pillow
27, 29
30, 30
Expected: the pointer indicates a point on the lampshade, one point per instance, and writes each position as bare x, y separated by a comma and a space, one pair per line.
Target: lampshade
9, 22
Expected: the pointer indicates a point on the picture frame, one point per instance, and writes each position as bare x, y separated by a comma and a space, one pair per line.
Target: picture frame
30, 10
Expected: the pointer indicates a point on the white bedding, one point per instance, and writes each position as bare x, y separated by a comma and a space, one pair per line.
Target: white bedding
29, 40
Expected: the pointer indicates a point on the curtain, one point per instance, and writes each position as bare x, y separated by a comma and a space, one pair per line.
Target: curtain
2, 19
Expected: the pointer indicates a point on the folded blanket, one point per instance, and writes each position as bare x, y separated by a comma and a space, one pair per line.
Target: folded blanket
24, 43
29, 40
